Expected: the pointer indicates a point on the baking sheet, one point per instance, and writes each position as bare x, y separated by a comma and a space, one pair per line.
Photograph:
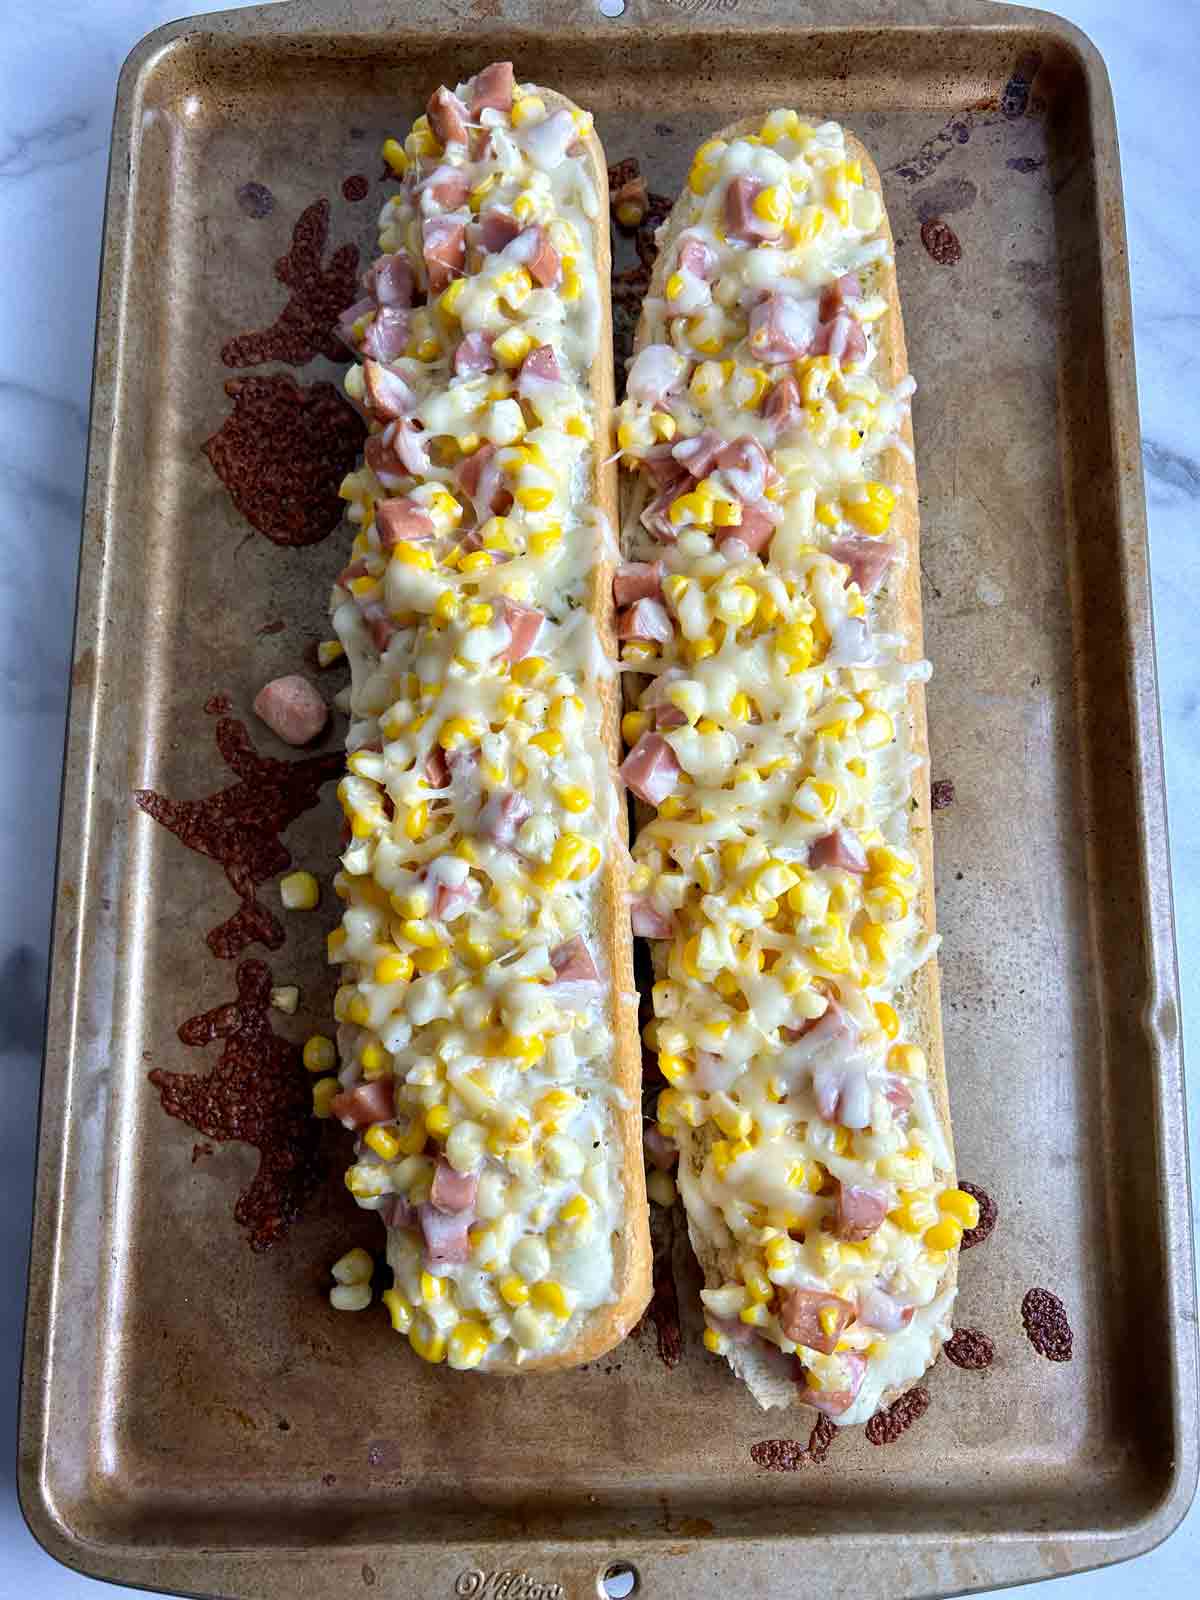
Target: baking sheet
194, 1415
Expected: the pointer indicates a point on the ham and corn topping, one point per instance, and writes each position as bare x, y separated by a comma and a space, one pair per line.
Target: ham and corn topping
475, 1031
771, 736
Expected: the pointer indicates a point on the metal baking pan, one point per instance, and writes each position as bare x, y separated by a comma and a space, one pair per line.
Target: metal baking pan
195, 1417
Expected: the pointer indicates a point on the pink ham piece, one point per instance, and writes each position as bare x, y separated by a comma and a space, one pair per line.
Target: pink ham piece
699, 453
867, 558
388, 396
379, 624
539, 368
473, 355
572, 962
365, 1104
648, 921
800, 1318
638, 580
646, 619
741, 223
879, 1310
661, 465
386, 338
401, 519
479, 477
783, 406
453, 1191
842, 848
447, 117
383, 460
292, 708
661, 1152
859, 1212
524, 625
839, 294
448, 186
650, 769
843, 339
397, 1213
446, 1241
493, 89
755, 531
696, 257
351, 315
502, 816
392, 280
897, 1093
408, 442
668, 716
833, 1402
656, 517
496, 230
782, 327
539, 255
444, 247
744, 465
436, 770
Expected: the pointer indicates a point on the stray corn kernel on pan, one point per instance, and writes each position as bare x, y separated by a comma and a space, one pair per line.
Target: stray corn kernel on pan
201, 1416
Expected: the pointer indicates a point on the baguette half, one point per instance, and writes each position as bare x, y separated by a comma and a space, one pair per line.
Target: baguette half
517, 1227
896, 609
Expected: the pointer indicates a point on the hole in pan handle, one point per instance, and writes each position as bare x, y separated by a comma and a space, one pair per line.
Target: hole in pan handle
618, 1581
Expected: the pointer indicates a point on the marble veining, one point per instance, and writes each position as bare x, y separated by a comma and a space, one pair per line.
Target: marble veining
58, 71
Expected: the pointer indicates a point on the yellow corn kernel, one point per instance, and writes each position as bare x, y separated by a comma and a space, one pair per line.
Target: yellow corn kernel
383, 1141
450, 296
457, 731
574, 797
468, 1344
780, 1252
511, 347
806, 225
413, 555
335, 943
549, 741
576, 1211
759, 1288
431, 961
514, 1290
320, 1054
358, 1011
412, 1139
734, 1121
325, 1091
438, 1121
421, 933
375, 1059
673, 1068
534, 498
427, 1342
529, 671
755, 1315
398, 1309
887, 1018
944, 1235
329, 651
393, 154
827, 513
715, 1341
773, 204
417, 821
916, 1212
960, 1205
299, 891
549, 1295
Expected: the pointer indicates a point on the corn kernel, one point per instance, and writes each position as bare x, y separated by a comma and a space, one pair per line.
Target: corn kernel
426, 1341
393, 154
887, 1018
944, 1235
960, 1205
549, 741
383, 1141
320, 1054
468, 1344
299, 891
325, 1091
549, 1296
908, 1059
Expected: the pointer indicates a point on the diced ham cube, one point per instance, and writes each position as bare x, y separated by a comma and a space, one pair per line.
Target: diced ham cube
379, 624
755, 530
386, 337
351, 315
859, 1212
496, 230
783, 405
744, 465
392, 280
668, 716
897, 1093
572, 962
480, 477
741, 222
436, 771
388, 395
699, 453
648, 921
407, 440
444, 247
834, 1401
473, 355
656, 517
396, 1212
383, 460
842, 848
783, 327
502, 816
638, 580
661, 1152
453, 1191
492, 89
446, 1240
696, 257
292, 708
732, 1327
843, 339
800, 1318
539, 255
646, 619
401, 519
539, 368
663, 467
867, 558
365, 1104
447, 117
839, 294
449, 187
524, 623
879, 1310
650, 769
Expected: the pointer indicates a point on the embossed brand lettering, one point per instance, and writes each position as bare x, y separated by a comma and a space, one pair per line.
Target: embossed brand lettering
472, 1584
695, 6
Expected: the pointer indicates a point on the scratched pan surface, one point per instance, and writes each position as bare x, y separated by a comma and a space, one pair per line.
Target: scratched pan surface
195, 1417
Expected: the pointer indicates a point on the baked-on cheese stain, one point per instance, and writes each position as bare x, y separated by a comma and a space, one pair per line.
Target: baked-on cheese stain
771, 735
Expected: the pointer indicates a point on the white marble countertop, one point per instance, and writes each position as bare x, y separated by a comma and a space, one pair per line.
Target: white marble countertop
58, 70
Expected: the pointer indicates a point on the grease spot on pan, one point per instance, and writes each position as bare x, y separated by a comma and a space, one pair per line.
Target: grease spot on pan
256, 200
944, 198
